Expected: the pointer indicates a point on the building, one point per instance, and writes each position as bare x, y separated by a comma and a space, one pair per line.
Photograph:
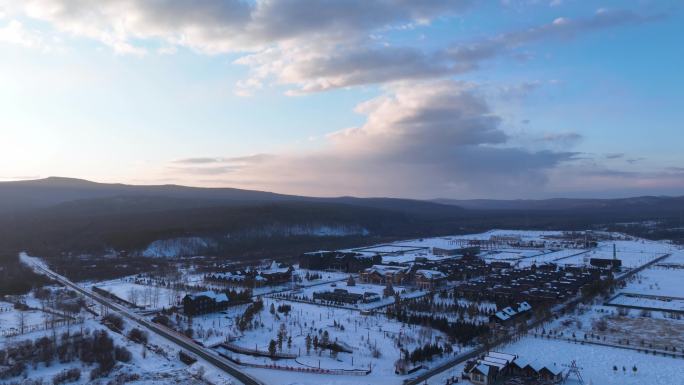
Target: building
496, 367
606, 263
429, 279
536, 368
204, 302
490, 368
380, 274
276, 274
510, 314
344, 296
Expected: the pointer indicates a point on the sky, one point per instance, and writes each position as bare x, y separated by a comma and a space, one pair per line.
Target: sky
422, 99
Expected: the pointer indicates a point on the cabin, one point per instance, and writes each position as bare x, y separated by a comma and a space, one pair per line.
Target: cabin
490, 368
483, 374
204, 302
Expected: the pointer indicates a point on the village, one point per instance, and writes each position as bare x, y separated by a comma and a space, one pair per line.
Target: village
501, 307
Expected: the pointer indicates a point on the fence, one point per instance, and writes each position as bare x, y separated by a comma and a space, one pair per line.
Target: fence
348, 372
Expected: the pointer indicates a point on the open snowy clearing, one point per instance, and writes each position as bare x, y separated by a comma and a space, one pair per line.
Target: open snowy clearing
657, 281
372, 340
152, 297
597, 362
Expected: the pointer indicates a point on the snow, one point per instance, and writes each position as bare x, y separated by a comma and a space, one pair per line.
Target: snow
360, 333
218, 297
177, 247
159, 365
431, 274
635, 300
658, 281
597, 362
363, 333
152, 297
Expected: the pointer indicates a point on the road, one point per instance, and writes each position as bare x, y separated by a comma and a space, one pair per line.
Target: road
170, 335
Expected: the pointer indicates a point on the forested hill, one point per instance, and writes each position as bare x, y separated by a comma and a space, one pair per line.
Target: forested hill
57, 216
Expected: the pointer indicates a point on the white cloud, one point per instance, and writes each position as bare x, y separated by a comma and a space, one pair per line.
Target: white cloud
420, 140
310, 46
15, 33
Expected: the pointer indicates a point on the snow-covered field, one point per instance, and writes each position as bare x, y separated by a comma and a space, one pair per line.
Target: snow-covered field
597, 362
11, 320
155, 365
658, 281
666, 304
153, 297
633, 253
372, 339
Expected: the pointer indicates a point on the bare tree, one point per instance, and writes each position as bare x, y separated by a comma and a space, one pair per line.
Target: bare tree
21, 319
133, 296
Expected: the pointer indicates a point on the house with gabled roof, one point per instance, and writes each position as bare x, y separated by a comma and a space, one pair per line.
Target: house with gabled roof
205, 302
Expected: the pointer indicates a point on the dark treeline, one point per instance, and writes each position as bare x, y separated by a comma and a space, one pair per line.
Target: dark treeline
245, 321
461, 331
15, 278
95, 226
426, 352
124, 226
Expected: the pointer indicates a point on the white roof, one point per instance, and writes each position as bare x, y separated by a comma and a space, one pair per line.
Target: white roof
502, 316
484, 369
498, 365
431, 274
522, 361
503, 356
509, 310
523, 306
274, 268
386, 269
221, 297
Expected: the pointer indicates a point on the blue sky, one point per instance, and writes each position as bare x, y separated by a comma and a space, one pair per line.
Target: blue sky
457, 99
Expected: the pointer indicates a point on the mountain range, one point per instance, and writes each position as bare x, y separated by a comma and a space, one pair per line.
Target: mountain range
56, 215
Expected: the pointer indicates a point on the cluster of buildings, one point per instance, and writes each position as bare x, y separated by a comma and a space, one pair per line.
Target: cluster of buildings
535, 285
494, 367
425, 279
275, 274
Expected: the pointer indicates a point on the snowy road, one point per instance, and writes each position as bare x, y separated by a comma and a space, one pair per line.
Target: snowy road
181, 341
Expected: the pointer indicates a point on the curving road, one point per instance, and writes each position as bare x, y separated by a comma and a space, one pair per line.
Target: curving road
170, 335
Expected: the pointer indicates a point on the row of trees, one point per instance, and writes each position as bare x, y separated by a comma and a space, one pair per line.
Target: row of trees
245, 321
428, 305
427, 351
461, 331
